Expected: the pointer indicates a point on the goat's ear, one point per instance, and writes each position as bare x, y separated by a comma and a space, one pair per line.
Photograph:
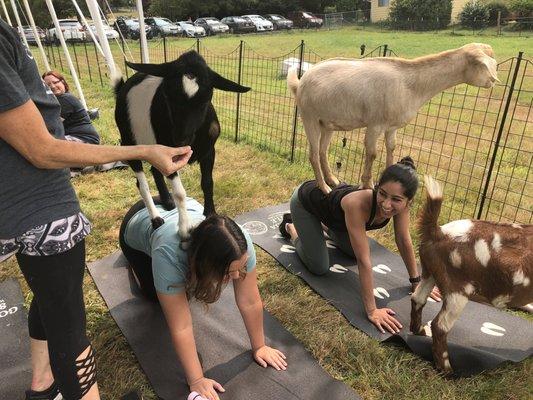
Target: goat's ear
491, 65
162, 70
222, 83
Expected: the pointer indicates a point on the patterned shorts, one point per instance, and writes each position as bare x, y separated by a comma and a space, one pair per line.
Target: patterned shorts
50, 239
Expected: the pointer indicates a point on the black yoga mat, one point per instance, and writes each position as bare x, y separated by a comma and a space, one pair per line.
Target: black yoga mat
15, 366
481, 339
221, 341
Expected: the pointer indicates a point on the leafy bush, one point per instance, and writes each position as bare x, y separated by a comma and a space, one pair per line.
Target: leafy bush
522, 8
474, 15
420, 14
494, 8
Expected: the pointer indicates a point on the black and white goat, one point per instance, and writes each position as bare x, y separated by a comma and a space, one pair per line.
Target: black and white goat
170, 104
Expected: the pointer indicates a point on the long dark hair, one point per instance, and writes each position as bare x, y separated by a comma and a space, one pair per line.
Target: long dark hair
214, 244
404, 172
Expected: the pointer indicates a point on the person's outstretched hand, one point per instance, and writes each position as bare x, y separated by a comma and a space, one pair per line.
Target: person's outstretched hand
168, 159
265, 356
207, 388
383, 319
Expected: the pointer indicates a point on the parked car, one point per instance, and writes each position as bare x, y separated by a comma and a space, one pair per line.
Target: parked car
163, 27
304, 19
30, 37
279, 21
239, 24
211, 25
261, 24
109, 32
71, 28
190, 30
130, 28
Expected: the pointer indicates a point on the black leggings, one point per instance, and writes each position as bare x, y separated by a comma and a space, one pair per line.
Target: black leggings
140, 263
57, 315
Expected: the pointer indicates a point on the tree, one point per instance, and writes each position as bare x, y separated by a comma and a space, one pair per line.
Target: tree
420, 14
474, 15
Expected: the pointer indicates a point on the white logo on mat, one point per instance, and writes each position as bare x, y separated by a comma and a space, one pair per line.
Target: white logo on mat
330, 244
339, 269
379, 292
287, 248
4, 311
492, 329
276, 218
381, 269
255, 227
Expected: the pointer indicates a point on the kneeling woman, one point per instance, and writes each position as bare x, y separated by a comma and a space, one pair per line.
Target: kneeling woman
348, 212
218, 251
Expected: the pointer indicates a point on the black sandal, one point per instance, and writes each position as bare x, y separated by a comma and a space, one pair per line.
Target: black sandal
287, 219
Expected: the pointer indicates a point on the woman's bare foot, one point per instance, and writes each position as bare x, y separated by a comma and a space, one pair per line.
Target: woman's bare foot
291, 230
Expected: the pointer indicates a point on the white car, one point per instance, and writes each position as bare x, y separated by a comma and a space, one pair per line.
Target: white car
71, 28
109, 32
261, 24
191, 30
163, 26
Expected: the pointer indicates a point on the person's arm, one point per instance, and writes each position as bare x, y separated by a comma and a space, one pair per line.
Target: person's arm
251, 308
403, 240
355, 217
178, 315
23, 128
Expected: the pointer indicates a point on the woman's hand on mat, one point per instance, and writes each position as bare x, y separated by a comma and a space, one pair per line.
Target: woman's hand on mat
207, 388
266, 356
168, 159
384, 320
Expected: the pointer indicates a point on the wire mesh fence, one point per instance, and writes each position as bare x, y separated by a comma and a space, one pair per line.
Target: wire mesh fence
478, 142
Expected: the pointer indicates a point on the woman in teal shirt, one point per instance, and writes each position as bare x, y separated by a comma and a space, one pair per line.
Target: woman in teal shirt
218, 251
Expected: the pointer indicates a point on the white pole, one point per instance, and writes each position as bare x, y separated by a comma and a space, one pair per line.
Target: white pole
36, 35
6, 13
59, 33
144, 44
88, 28
102, 38
21, 30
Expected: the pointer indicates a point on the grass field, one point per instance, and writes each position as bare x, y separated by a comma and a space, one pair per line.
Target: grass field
248, 177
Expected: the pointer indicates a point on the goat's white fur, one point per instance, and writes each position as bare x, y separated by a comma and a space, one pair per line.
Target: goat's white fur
455, 258
482, 252
469, 289
144, 189
501, 301
520, 279
455, 302
381, 94
496, 242
178, 193
458, 230
422, 291
138, 97
190, 86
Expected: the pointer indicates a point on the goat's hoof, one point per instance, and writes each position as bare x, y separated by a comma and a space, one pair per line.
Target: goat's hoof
325, 188
332, 181
157, 222
184, 244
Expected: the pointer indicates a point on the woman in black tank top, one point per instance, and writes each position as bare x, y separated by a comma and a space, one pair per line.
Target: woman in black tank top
348, 212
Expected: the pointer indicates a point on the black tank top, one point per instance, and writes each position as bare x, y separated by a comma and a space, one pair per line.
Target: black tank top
327, 208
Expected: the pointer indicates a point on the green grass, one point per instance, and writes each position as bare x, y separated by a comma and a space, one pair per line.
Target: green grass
250, 176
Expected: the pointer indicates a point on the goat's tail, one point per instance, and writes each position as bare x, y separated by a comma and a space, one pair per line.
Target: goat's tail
292, 80
428, 222
117, 81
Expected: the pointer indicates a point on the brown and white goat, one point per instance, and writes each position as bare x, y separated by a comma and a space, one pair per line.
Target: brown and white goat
381, 94
489, 261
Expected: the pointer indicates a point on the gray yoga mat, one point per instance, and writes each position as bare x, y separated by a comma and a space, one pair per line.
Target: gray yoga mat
221, 341
481, 339
15, 366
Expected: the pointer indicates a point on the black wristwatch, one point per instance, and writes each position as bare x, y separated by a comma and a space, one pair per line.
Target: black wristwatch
416, 279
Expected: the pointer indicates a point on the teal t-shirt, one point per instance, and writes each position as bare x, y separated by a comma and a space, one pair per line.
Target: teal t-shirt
169, 262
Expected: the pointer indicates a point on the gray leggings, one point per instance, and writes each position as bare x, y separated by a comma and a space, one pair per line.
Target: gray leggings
311, 243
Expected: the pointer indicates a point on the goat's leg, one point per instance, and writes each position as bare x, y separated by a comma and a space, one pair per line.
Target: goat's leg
144, 189
390, 144
418, 301
371, 138
452, 307
312, 130
206, 167
164, 195
325, 139
179, 195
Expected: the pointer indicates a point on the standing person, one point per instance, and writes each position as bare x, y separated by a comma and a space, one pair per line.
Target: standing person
348, 212
41, 222
218, 251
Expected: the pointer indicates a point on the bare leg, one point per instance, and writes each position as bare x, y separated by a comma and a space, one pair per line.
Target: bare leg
371, 138
312, 130
325, 139
42, 377
390, 144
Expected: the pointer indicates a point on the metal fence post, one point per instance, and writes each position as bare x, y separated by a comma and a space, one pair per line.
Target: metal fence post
239, 80
198, 45
87, 59
500, 132
98, 65
295, 121
165, 48
76, 58
385, 47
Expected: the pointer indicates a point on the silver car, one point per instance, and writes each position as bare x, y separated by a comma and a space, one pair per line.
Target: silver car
191, 30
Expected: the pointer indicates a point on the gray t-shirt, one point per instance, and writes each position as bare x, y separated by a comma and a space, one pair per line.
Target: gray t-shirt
29, 196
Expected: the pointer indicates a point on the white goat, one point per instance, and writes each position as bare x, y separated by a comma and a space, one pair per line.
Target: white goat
489, 261
381, 94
